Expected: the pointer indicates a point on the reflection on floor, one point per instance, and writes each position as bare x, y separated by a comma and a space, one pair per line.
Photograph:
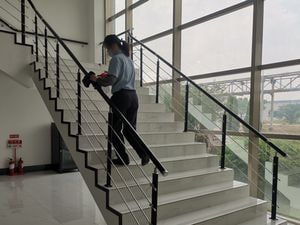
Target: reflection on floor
47, 199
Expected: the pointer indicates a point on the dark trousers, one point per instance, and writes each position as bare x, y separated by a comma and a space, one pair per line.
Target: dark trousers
127, 103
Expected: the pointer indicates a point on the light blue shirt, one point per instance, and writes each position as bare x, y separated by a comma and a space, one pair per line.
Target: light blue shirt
122, 68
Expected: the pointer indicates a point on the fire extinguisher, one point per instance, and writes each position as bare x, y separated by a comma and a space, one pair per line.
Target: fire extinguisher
21, 166
11, 167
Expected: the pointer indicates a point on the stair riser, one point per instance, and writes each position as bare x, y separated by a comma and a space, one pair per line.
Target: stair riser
89, 128
172, 186
160, 152
70, 84
189, 205
71, 116
94, 95
150, 139
237, 217
101, 117
172, 166
143, 99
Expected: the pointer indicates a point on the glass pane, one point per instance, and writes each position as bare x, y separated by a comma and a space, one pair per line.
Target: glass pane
232, 91
281, 105
120, 24
152, 17
194, 9
163, 47
281, 36
119, 5
218, 44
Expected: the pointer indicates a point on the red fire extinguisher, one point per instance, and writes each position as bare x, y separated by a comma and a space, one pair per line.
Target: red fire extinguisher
21, 166
11, 167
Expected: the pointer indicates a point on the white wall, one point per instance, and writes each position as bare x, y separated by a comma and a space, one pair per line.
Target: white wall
81, 20
23, 112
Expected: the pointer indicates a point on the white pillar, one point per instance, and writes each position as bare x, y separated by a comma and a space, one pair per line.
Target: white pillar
96, 29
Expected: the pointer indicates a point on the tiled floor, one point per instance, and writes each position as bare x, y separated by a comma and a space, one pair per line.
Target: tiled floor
47, 199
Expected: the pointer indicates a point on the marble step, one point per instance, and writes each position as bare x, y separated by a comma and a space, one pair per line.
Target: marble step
230, 213
186, 201
207, 178
160, 151
70, 83
173, 164
99, 140
101, 116
91, 93
95, 127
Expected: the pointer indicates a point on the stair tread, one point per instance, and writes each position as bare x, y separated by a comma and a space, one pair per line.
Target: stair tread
97, 100
173, 176
168, 159
142, 122
181, 195
93, 90
266, 219
106, 110
152, 146
145, 133
212, 212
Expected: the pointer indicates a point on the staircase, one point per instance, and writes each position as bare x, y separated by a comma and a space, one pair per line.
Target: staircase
195, 191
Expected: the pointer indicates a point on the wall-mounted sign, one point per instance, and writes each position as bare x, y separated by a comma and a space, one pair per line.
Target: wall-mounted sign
14, 141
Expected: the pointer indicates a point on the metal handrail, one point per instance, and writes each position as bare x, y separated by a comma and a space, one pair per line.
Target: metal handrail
229, 111
133, 132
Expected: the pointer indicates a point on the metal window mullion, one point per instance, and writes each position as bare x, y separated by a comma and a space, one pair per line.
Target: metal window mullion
255, 92
176, 57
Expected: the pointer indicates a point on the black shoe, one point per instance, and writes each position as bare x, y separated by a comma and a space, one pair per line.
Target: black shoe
145, 160
119, 162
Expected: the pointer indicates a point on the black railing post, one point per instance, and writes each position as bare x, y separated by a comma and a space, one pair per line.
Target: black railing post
57, 70
274, 187
186, 107
46, 53
141, 67
36, 38
224, 131
154, 198
79, 102
157, 81
23, 21
109, 149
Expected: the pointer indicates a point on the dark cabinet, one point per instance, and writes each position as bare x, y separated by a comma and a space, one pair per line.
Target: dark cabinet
61, 158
